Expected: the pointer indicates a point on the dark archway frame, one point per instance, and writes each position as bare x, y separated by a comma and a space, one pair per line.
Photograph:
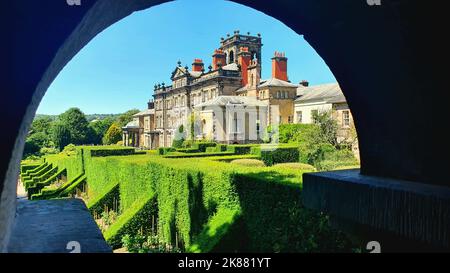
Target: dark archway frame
375, 53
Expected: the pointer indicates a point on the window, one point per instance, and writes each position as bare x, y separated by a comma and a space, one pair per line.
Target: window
346, 118
278, 95
289, 119
231, 57
258, 127
299, 117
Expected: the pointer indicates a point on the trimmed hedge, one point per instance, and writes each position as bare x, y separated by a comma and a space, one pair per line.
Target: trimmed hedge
280, 155
198, 155
165, 150
188, 150
201, 146
135, 220
55, 193
28, 167
37, 187
109, 200
72, 187
112, 152
241, 149
210, 205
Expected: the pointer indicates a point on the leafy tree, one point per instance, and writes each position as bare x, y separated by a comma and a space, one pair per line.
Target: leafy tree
75, 121
328, 128
41, 125
126, 117
61, 135
31, 148
113, 135
97, 130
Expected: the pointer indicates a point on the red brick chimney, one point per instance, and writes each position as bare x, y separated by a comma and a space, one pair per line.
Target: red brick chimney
218, 58
244, 58
279, 66
197, 65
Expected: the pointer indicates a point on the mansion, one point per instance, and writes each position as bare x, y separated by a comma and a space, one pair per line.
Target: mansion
228, 102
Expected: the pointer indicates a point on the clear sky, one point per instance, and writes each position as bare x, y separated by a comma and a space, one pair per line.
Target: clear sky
117, 70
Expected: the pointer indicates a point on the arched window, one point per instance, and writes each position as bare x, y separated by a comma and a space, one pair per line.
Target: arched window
231, 57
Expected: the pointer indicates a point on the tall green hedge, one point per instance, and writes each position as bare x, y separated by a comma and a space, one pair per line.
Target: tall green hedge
207, 204
280, 155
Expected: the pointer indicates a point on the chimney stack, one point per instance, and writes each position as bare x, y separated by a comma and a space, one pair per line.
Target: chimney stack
218, 58
244, 58
304, 83
151, 104
279, 66
197, 65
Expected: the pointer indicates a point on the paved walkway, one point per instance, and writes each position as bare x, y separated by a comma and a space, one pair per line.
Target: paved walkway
55, 226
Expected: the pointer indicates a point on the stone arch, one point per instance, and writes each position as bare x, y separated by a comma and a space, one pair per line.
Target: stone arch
380, 45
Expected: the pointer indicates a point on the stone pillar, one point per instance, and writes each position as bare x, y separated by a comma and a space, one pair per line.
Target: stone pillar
123, 138
126, 139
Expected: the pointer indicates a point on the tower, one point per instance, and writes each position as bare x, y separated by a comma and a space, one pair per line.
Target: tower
232, 44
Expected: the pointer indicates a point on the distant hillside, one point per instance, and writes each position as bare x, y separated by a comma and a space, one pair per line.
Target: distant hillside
90, 117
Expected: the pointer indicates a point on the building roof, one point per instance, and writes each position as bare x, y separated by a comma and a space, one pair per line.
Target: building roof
232, 66
146, 112
195, 74
276, 82
134, 124
330, 93
228, 100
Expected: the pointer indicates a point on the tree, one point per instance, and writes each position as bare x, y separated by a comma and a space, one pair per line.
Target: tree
113, 135
42, 125
328, 128
75, 121
61, 136
126, 117
98, 129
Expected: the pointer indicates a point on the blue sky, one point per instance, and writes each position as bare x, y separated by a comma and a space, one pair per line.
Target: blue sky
117, 70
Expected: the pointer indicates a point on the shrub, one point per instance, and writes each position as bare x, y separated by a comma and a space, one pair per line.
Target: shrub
248, 162
255, 150
187, 155
48, 151
221, 148
113, 134
296, 166
111, 151
188, 150
201, 146
209, 205
165, 150
280, 155
241, 149
177, 143
211, 150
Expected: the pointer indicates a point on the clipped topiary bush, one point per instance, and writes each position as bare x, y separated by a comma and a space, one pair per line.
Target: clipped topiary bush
280, 155
165, 150
248, 162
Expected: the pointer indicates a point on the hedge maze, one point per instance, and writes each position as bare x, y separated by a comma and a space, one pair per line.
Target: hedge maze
201, 205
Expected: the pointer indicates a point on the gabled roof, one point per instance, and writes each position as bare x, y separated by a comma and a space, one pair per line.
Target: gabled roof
276, 82
229, 100
146, 112
186, 72
330, 93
